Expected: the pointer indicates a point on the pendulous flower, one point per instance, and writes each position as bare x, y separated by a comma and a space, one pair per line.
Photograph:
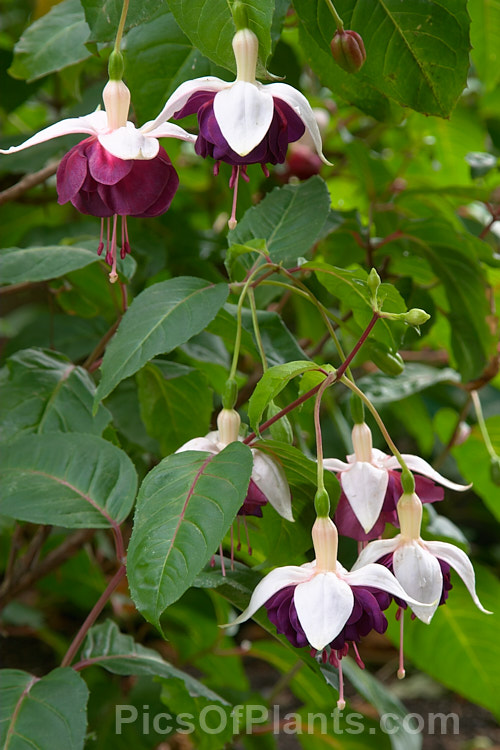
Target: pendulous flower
371, 486
422, 568
268, 483
243, 122
322, 604
118, 170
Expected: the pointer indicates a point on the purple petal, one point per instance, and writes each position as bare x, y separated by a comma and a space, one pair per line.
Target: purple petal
105, 168
71, 174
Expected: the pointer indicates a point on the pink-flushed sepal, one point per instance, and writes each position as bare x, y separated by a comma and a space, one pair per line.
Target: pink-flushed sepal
90, 124
421, 466
180, 96
270, 478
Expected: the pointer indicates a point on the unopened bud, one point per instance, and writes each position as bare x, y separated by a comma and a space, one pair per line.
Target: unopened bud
416, 317
362, 442
410, 515
228, 424
373, 281
348, 50
116, 97
325, 540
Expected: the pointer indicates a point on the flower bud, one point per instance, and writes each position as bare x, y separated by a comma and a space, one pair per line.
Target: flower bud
228, 424
230, 393
325, 540
495, 470
373, 281
246, 50
362, 442
322, 503
416, 317
348, 50
410, 515
116, 97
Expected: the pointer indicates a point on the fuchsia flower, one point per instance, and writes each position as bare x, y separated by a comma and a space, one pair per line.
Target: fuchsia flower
371, 486
421, 567
243, 122
322, 604
268, 483
118, 171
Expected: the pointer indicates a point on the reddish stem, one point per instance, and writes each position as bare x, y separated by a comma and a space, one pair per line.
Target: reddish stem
92, 616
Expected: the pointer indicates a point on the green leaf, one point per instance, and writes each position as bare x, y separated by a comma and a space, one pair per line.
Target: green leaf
43, 391
51, 43
24, 264
185, 507
351, 288
103, 16
280, 346
159, 57
70, 480
485, 32
460, 648
354, 89
289, 218
382, 389
48, 713
452, 258
177, 396
120, 654
271, 384
419, 56
209, 25
162, 317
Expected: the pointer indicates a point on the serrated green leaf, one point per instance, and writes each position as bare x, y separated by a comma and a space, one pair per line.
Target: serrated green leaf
103, 16
185, 507
419, 56
51, 43
176, 396
460, 648
120, 654
158, 58
271, 384
209, 24
48, 713
43, 391
70, 480
22, 264
162, 317
289, 218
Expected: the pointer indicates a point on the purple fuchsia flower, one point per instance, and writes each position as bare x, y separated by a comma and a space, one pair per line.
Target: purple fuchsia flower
268, 483
118, 171
371, 486
322, 604
422, 568
243, 122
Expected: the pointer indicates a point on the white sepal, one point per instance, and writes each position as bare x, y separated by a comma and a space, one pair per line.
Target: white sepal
170, 130
180, 96
419, 573
301, 106
335, 464
200, 444
415, 463
275, 581
323, 607
365, 486
128, 143
91, 124
271, 480
459, 561
379, 577
244, 112
375, 550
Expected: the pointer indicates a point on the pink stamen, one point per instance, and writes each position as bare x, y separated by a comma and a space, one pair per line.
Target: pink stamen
358, 658
109, 258
216, 168
243, 173
265, 170
324, 656
222, 566
333, 659
341, 701
113, 276
101, 243
233, 184
238, 546
125, 249
401, 668
212, 561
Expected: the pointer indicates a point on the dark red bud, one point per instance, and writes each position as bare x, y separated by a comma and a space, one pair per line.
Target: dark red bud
348, 50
